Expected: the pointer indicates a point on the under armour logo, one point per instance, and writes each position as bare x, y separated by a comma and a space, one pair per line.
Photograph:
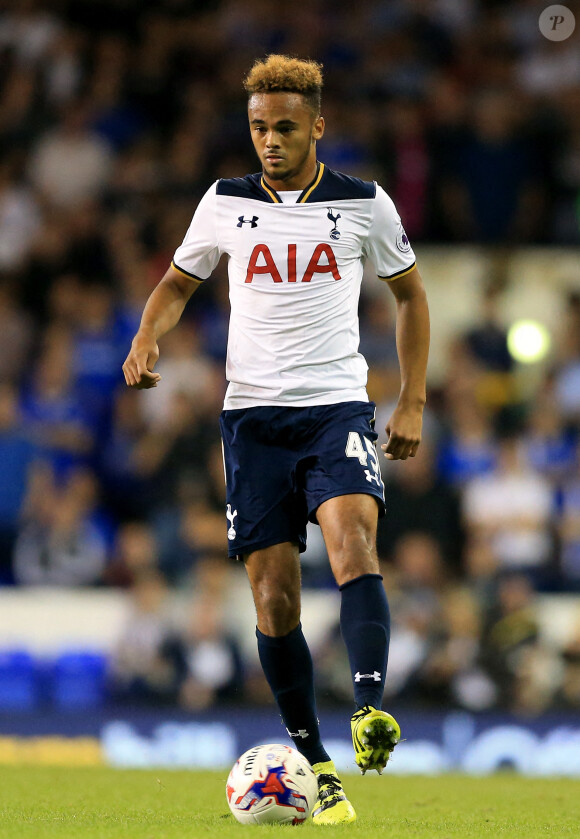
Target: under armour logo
253, 221
334, 233
230, 517
300, 733
375, 676
372, 478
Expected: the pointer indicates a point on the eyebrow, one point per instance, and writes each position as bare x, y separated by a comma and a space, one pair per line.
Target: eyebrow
280, 122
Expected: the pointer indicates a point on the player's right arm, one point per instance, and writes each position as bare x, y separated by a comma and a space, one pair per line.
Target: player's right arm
162, 312
193, 262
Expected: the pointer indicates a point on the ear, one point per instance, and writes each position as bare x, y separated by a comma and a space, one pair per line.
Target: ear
318, 128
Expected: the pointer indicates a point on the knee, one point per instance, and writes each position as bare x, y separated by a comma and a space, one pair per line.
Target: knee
277, 608
354, 554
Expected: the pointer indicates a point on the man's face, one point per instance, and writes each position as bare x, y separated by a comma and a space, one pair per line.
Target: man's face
284, 130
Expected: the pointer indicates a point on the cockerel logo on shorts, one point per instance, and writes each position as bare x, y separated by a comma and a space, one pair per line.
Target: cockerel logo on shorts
230, 517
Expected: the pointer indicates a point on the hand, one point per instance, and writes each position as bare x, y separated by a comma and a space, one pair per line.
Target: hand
139, 364
404, 433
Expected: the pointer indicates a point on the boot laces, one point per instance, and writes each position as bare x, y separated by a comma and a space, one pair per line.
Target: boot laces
328, 785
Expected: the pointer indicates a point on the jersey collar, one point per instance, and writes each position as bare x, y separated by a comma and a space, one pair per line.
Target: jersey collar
304, 195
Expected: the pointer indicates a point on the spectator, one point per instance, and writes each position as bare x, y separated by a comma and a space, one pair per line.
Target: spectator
550, 445
175, 455
452, 673
208, 657
134, 554
16, 331
185, 372
405, 159
97, 352
30, 30
19, 218
487, 340
88, 255
126, 487
419, 501
510, 633
569, 531
568, 693
415, 590
512, 510
20, 117
140, 669
468, 450
17, 456
565, 226
567, 374
62, 540
71, 164
52, 410
493, 194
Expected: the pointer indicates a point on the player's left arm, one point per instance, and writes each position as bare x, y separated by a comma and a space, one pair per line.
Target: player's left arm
405, 425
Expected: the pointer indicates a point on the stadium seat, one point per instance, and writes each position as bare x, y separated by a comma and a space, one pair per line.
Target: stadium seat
78, 680
19, 681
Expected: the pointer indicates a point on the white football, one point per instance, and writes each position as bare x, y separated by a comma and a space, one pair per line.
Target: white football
272, 784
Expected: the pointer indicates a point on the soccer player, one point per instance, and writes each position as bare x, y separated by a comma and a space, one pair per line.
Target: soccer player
297, 426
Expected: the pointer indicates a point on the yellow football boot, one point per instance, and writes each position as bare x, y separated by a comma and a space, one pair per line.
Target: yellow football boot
332, 806
374, 736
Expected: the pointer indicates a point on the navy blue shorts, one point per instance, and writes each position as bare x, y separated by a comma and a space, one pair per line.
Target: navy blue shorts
282, 463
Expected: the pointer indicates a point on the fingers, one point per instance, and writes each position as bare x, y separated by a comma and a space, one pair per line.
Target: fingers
147, 380
400, 448
414, 448
139, 377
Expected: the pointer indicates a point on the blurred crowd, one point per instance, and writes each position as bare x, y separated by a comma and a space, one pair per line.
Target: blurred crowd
115, 117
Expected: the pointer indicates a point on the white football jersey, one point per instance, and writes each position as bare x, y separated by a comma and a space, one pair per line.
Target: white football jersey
295, 272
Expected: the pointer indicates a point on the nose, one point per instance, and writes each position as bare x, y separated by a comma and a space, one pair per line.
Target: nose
271, 141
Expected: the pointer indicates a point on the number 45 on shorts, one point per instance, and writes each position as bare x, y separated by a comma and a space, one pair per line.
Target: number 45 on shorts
363, 451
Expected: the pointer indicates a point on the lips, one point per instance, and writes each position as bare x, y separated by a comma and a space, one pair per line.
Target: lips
273, 158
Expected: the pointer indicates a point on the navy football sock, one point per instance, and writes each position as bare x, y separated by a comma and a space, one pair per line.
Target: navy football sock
287, 666
365, 628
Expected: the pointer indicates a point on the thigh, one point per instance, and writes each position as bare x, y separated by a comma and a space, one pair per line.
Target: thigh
263, 506
349, 527
274, 575
342, 457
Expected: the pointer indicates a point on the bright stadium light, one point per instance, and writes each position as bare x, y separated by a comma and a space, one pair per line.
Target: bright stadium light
528, 341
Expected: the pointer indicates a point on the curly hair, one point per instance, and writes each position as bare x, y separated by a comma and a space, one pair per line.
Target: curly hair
281, 73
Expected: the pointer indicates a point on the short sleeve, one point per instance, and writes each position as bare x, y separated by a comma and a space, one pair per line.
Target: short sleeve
387, 245
199, 252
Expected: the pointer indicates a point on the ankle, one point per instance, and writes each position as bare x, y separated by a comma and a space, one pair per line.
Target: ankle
325, 767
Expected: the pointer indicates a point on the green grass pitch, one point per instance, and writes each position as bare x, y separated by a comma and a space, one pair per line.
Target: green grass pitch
54, 803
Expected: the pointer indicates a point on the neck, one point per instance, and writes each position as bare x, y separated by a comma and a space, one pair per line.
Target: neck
298, 181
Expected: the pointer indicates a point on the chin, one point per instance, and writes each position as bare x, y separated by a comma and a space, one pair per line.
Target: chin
275, 173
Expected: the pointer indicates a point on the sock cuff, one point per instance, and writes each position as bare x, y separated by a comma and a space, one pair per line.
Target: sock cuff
358, 579
278, 640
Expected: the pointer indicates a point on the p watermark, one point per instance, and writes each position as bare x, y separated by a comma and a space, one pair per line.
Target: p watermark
557, 23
